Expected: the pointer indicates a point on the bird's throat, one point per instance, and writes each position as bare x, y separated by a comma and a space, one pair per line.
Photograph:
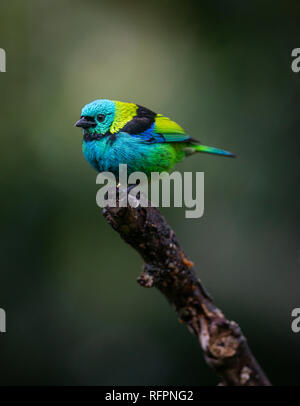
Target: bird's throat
88, 137
92, 136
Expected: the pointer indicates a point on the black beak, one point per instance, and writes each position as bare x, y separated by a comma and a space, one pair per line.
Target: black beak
84, 122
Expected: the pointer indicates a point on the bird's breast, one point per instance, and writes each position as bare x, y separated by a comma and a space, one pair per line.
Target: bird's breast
106, 156
102, 154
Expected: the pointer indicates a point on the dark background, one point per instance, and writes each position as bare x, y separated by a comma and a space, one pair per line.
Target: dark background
75, 314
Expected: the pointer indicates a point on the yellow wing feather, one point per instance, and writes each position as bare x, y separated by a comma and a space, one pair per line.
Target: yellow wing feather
165, 125
124, 113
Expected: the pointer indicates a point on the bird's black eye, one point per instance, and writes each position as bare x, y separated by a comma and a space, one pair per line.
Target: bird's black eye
100, 118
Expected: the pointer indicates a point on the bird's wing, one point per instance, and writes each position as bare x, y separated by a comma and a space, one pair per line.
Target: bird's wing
150, 127
160, 129
169, 130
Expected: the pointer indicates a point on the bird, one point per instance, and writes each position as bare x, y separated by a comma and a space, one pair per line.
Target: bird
116, 132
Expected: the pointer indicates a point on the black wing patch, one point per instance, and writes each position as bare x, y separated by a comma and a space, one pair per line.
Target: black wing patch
143, 120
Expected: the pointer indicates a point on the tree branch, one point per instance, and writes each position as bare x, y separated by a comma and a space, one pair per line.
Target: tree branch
167, 268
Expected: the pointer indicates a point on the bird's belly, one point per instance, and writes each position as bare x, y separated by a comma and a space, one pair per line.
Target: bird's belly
106, 155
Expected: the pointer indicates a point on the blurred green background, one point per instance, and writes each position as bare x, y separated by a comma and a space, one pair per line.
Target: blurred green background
75, 314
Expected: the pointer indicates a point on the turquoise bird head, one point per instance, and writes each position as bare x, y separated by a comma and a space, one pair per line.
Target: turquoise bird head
97, 116
103, 116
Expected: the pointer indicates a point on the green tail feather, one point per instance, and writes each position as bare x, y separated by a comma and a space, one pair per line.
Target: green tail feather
212, 150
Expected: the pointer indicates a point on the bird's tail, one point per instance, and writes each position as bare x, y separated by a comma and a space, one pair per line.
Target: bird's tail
212, 150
